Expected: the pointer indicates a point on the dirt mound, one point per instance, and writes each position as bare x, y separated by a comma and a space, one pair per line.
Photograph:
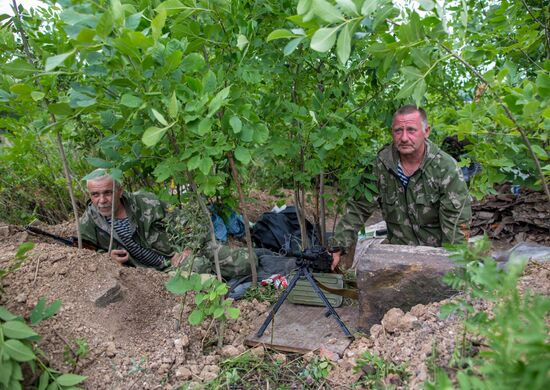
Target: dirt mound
138, 341
135, 341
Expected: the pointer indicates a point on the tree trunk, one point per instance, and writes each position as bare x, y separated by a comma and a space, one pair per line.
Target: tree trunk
69, 186
322, 208
251, 255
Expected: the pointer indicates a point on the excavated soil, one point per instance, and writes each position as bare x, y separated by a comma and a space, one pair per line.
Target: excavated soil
138, 341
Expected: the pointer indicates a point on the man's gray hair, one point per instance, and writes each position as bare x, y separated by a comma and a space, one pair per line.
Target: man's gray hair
101, 174
412, 108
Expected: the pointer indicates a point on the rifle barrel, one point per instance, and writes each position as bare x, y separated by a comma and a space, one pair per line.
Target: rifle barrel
36, 230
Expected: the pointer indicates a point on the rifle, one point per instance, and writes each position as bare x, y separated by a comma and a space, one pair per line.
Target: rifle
69, 241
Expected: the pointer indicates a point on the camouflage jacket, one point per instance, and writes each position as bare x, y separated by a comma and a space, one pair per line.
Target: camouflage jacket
146, 215
430, 211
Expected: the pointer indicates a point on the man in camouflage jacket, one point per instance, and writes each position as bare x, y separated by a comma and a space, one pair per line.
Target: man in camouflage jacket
146, 216
421, 192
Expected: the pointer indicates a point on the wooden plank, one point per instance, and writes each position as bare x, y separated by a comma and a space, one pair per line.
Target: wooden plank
299, 328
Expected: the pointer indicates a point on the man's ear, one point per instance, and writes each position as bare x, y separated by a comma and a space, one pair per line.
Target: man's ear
427, 131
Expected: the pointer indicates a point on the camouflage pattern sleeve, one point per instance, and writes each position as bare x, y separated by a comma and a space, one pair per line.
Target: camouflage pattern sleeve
355, 217
455, 209
88, 230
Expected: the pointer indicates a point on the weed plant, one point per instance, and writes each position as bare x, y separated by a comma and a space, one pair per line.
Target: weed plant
376, 372
251, 371
516, 349
266, 293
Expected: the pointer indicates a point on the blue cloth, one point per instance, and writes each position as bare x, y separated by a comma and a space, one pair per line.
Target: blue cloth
234, 225
469, 171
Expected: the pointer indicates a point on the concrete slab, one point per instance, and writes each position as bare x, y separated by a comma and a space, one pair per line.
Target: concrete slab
299, 328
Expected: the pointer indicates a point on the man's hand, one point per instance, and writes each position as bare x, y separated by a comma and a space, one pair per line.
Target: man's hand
335, 260
179, 258
120, 255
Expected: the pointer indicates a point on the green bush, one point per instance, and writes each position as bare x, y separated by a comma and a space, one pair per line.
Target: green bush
515, 334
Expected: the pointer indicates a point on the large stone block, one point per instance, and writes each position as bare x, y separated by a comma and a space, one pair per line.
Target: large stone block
399, 276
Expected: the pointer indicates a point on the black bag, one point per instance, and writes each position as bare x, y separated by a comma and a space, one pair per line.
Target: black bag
280, 232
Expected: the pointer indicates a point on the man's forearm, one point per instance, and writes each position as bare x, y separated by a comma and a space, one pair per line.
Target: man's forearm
357, 213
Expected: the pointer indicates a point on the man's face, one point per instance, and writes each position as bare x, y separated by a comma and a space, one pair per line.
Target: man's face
408, 134
102, 196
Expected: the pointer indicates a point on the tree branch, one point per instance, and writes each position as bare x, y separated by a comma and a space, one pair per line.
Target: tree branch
508, 114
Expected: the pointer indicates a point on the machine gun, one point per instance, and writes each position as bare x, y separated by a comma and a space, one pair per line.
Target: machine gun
69, 241
318, 259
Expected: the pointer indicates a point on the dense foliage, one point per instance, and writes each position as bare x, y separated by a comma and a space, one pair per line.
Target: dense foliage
165, 92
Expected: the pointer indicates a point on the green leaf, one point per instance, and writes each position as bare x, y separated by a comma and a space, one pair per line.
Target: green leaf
411, 72
36, 96
105, 24
158, 23
62, 109
21, 89
18, 68
540, 152
323, 39
55, 61
204, 126
193, 62
419, 91
427, 5
205, 165
36, 314
178, 285
44, 380
130, 100
159, 117
326, 11
18, 351
199, 298
18, 330
209, 82
118, 11
6, 369
6, 315
348, 6
153, 135
247, 135
292, 45
303, 6
193, 162
242, 154
173, 61
23, 249
218, 312
343, 46
171, 6
369, 6
222, 289
196, 317
242, 41
70, 379
217, 101
280, 34
56, 305
261, 134
173, 106
233, 312
99, 162
236, 124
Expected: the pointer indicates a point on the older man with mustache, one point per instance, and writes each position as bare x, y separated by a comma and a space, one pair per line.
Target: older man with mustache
421, 191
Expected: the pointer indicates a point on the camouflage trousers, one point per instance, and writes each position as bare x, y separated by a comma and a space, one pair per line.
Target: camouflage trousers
234, 263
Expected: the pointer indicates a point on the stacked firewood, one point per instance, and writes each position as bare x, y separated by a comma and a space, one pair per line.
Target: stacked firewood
514, 218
